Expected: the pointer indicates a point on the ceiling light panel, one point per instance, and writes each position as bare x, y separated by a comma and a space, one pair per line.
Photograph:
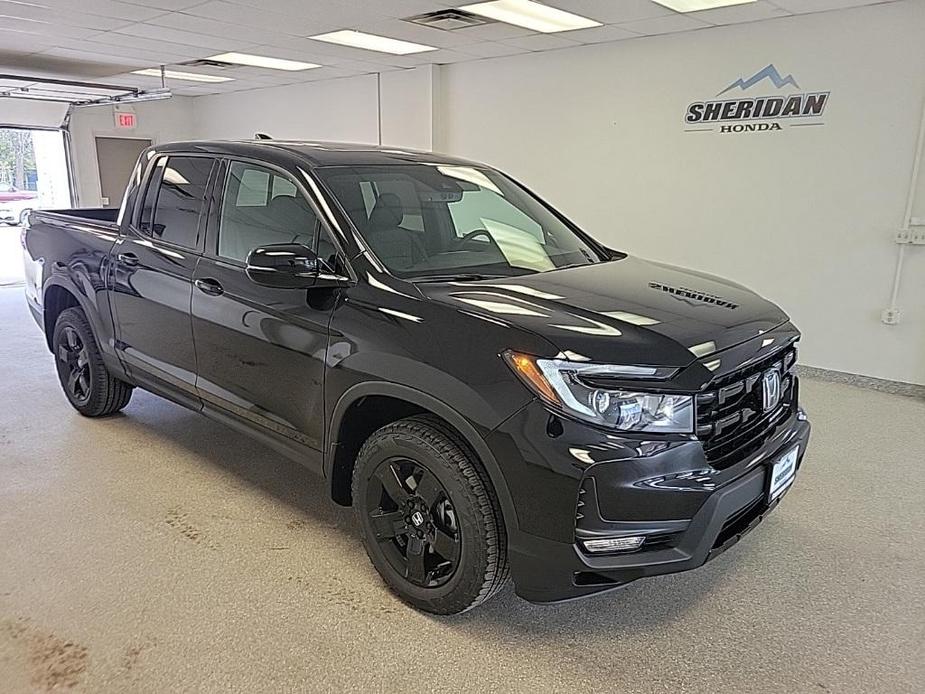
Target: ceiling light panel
372, 42
176, 75
697, 5
531, 15
263, 61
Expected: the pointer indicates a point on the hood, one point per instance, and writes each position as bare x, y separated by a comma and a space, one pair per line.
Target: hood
627, 311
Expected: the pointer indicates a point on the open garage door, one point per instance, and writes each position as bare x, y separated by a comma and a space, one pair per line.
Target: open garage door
31, 113
34, 158
33, 175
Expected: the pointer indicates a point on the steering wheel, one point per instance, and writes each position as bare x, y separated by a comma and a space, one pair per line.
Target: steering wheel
460, 245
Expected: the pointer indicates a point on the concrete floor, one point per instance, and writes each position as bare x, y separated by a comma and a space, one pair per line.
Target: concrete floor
157, 551
11, 270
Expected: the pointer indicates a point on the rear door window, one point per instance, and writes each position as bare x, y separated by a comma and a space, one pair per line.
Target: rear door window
175, 199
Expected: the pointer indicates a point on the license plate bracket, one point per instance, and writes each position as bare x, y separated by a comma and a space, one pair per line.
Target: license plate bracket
782, 473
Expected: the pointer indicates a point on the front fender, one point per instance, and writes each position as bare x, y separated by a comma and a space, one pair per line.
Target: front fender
470, 428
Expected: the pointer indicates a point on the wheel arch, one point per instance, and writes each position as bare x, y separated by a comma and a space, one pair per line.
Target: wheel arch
57, 298
344, 443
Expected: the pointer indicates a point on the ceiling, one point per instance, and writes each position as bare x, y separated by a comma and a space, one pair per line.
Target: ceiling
106, 39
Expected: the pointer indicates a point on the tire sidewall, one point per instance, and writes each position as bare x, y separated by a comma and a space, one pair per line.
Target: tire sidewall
470, 571
75, 319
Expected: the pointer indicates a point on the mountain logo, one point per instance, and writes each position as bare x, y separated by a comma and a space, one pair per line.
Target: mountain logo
733, 111
768, 73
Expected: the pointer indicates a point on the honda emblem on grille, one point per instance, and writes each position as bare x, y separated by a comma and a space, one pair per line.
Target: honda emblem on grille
770, 389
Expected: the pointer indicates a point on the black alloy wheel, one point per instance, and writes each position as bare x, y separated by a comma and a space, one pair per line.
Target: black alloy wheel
431, 522
414, 521
87, 383
74, 366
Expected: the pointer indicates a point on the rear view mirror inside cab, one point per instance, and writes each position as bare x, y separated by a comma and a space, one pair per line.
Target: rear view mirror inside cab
440, 195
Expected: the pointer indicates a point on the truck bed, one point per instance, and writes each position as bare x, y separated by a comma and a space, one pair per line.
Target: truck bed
71, 248
105, 216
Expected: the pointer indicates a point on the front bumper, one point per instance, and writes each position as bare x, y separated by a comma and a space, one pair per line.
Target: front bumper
570, 482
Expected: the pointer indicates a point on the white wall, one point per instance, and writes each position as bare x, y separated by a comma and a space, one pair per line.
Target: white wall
804, 216
158, 121
395, 108
409, 107
341, 110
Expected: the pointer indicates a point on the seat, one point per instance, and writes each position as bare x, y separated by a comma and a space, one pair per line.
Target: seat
395, 246
285, 220
293, 219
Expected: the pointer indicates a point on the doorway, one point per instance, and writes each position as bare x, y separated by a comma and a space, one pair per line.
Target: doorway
33, 175
116, 157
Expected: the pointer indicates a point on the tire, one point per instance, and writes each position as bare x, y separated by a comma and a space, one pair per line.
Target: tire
88, 385
430, 520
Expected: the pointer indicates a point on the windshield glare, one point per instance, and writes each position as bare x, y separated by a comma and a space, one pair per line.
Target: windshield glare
424, 220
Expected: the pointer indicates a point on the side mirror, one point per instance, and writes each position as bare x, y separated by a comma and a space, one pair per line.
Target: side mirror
283, 265
289, 266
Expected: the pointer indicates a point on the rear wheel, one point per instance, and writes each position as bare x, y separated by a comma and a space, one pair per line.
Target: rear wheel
88, 385
431, 523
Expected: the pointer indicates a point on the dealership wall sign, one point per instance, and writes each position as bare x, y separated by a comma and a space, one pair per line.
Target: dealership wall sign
762, 110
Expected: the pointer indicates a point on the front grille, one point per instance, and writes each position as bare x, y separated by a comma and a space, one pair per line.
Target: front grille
731, 420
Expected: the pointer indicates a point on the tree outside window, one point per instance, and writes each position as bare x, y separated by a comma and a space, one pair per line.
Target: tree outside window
17, 159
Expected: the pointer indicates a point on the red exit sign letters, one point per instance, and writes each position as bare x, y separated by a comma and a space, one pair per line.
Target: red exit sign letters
126, 120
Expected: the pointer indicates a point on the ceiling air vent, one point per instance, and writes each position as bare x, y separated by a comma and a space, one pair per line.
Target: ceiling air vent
449, 20
205, 62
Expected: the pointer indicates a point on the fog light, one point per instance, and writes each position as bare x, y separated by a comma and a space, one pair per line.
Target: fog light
614, 544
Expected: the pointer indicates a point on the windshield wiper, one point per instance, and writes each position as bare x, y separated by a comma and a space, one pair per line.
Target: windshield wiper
461, 277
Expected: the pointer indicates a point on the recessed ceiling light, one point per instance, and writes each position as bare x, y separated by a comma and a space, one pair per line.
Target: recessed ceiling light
175, 75
262, 61
697, 5
371, 42
531, 15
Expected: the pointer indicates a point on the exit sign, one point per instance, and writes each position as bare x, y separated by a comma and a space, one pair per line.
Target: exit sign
125, 120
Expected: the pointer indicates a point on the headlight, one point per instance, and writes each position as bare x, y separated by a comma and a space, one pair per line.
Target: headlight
581, 390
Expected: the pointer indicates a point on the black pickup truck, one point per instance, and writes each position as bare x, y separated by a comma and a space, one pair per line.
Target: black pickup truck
494, 391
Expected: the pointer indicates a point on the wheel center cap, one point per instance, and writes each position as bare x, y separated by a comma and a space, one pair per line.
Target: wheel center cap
417, 518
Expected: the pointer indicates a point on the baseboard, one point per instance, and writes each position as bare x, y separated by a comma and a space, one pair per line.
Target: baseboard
912, 390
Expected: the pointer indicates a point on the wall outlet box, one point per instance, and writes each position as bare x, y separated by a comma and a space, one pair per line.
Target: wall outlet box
890, 316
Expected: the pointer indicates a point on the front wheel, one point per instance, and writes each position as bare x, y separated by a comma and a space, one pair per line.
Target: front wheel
431, 523
88, 385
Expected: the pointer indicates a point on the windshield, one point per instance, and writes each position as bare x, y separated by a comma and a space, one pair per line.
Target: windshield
426, 221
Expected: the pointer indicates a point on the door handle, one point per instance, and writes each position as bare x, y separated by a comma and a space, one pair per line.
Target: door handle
127, 259
210, 287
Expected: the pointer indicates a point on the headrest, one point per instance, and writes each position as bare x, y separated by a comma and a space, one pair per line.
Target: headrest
289, 209
387, 213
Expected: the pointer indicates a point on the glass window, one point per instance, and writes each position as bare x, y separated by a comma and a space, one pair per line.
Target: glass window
423, 220
175, 199
261, 208
479, 208
147, 204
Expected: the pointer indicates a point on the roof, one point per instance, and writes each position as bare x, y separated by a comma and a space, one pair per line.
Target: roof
316, 154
